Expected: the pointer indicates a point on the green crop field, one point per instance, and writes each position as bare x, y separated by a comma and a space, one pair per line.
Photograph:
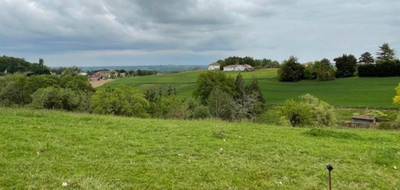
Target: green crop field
348, 92
57, 150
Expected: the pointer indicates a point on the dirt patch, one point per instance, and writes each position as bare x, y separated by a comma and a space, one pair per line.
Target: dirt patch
98, 83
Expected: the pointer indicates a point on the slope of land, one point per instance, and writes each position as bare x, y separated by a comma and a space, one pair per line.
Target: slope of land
348, 92
56, 150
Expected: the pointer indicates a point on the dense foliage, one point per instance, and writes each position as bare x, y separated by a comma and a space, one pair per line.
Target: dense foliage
386, 64
119, 101
381, 69
396, 99
307, 110
229, 99
60, 98
385, 54
366, 58
291, 70
209, 81
320, 70
346, 65
257, 63
18, 90
10, 65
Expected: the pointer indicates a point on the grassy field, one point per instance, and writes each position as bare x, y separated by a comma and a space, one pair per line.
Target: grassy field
44, 149
349, 92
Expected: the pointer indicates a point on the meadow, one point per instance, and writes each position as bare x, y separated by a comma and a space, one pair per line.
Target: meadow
351, 92
58, 150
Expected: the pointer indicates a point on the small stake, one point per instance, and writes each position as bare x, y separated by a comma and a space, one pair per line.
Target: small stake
329, 168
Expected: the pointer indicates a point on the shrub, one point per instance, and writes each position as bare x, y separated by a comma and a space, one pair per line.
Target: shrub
307, 110
200, 112
59, 98
15, 91
220, 104
173, 107
119, 101
18, 89
309, 72
396, 99
291, 70
324, 70
208, 81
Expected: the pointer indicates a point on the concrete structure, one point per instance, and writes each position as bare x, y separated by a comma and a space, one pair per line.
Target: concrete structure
214, 67
244, 67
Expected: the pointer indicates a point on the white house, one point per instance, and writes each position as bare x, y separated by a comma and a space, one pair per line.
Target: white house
214, 67
244, 67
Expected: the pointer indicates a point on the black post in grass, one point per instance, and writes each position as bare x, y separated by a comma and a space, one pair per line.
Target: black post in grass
329, 168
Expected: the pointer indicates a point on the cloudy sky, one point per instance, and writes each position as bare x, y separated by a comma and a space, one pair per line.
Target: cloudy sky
154, 32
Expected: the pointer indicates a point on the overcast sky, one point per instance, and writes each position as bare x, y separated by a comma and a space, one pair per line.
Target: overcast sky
154, 32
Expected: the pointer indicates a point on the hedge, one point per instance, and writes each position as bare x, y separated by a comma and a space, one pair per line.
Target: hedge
379, 70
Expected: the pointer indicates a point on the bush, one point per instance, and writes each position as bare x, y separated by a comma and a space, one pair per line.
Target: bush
208, 81
390, 124
307, 110
291, 70
220, 104
59, 98
18, 89
15, 91
119, 101
173, 107
200, 112
324, 70
309, 72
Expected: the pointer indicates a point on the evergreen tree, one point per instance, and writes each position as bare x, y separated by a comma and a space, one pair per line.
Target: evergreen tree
366, 58
385, 54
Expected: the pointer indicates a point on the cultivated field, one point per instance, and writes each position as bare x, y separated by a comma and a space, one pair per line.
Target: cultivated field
348, 92
56, 150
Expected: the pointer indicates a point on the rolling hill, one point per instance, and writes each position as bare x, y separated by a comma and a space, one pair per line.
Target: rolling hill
57, 150
348, 92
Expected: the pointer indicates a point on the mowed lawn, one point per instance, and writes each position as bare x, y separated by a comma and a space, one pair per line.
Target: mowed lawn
45, 149
348, 92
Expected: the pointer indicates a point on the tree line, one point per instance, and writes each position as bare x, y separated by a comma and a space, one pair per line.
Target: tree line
256, 63
11, 65
385, 64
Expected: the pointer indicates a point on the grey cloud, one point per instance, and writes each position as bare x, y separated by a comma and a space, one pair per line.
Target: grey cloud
207, 29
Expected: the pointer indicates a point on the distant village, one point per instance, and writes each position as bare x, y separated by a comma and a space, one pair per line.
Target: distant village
114, 74
231, 68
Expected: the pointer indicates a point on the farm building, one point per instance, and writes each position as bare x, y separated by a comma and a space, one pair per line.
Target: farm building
244, 67
363, 121
214, 67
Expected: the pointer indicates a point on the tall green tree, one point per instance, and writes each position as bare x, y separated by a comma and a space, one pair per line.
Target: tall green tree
208, 81
324, 70
291, 70
385, 54
346, 65
366, 58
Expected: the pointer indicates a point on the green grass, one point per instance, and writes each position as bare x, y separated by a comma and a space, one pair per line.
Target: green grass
43, 149
348, 92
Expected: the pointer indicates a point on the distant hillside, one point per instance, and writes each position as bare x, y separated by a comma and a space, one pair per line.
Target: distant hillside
158, 68
10, 65
346, 92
